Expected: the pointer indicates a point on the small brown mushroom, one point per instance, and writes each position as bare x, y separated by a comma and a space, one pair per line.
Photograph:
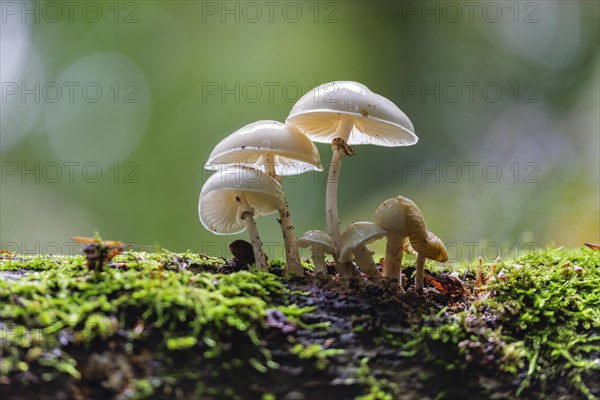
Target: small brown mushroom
242, 251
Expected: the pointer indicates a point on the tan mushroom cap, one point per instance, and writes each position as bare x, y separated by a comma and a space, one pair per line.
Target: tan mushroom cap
317, 239
358, 234
431, 247
377, 120
293, 153
218, 209
391, 215
401, 216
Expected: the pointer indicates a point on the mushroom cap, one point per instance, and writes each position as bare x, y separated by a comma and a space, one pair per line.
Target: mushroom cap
357, 234
431, 247
293, 153
377, 120
218, 209
391, 215
317, 240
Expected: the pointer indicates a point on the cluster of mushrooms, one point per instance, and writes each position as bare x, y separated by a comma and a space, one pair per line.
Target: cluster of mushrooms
251, 162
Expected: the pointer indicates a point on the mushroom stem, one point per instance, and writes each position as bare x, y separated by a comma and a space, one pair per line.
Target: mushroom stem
392, 264
292, 255
347, 270
420, 273
248, 217
364, 259
333, 224
270, 167
318, 259
340, 149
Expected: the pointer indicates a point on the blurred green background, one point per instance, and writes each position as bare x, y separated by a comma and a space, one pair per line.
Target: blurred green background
110, 109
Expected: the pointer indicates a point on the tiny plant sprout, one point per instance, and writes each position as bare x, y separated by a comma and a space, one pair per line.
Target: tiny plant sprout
347, 113
354, 245
320, 243
231, 198
98, 252
278, 150
400, 217
503, 275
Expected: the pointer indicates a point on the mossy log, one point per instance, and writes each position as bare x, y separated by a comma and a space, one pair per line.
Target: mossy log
169, 325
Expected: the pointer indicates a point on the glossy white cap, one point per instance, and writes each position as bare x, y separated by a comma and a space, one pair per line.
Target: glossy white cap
218, 209
358, 234
293, 153
376, 119
317, 240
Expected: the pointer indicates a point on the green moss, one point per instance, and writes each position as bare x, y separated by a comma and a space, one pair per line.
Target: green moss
315, 352
148, 298
36, 262
376, 389
540, 324
172, 325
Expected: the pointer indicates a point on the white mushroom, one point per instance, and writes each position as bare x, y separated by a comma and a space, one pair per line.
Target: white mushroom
268, 145
354, 245
400, 217
346, 113
278, 150
320, 243
230, 199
